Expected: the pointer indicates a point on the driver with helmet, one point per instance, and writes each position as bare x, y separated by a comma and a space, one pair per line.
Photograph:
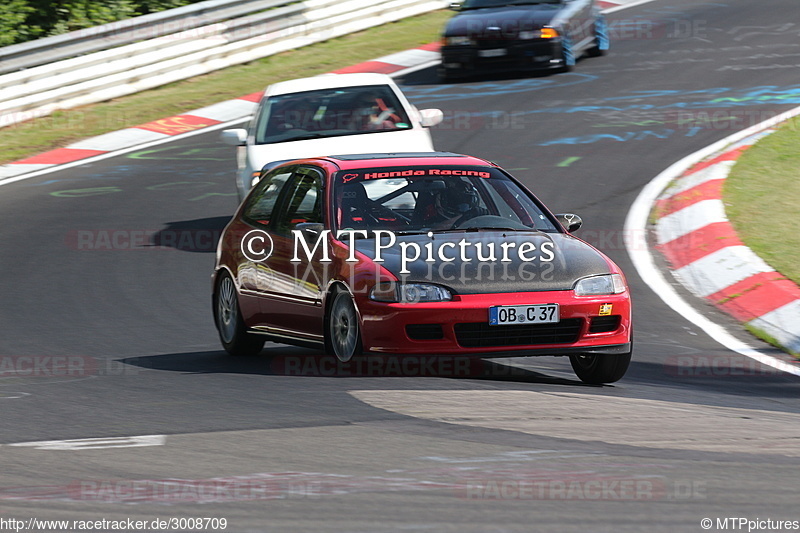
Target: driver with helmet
454, 205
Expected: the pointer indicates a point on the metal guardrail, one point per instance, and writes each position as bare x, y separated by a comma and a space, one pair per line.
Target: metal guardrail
204, 43
57, 47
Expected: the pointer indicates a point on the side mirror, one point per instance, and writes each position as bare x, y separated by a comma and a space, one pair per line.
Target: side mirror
430, 117
570, 221
237, 137
311, 228
455, 6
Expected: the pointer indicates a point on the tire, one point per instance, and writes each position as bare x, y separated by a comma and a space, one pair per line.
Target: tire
447, 75
567, 55
342, 331
601, 39
600, 369
228, 318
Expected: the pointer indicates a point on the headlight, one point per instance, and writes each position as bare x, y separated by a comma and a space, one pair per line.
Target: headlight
409, 293
459, 40
548, 33
600, 285
544, 33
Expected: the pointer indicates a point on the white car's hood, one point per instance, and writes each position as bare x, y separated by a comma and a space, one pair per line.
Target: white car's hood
413, 140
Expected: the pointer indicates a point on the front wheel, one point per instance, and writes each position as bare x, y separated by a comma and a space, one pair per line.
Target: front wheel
343, 335
567, 55
230, 325
599, 369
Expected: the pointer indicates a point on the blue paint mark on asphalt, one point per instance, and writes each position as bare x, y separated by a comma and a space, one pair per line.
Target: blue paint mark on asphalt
622, 137
441, 92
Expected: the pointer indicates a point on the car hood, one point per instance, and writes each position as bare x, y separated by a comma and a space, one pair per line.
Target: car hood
412, 140
510, 20
572, 259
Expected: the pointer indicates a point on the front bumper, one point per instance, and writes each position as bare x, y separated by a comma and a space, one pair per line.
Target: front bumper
517, 55
461, 326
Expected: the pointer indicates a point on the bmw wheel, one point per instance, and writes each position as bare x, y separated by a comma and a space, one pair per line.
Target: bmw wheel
343, 334
567, 54
228, 318
601, 40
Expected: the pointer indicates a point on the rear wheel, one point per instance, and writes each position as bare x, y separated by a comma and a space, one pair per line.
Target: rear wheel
228, 318
601, 39
599, 369
343, 335
447, 75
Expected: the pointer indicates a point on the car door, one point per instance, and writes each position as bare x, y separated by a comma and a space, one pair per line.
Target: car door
257, 214
293, 290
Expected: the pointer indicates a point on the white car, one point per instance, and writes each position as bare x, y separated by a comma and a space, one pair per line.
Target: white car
328, 115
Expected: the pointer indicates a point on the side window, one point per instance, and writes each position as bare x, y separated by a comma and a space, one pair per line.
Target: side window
262, 203
302, 201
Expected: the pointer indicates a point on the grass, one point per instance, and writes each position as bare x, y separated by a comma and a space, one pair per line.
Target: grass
761, 197
65, 127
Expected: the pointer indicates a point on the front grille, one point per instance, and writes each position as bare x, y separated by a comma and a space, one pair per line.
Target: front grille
604, 324
482, 335
424, 332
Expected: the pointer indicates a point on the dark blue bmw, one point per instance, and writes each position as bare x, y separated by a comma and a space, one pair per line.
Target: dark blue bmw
514, 35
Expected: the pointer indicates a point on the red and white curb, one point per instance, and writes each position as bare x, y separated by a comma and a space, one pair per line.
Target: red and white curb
708, 258
215, 116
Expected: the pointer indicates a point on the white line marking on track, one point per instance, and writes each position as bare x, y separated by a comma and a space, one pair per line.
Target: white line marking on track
95, 443
7, 395
626, 6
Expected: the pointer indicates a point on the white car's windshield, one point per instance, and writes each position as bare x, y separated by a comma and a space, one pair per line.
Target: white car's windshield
330, 113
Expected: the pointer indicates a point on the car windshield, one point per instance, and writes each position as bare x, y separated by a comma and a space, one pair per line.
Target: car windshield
478, 4
439, 199
330, 113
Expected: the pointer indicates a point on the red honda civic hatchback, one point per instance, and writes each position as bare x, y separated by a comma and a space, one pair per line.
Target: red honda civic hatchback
429, 253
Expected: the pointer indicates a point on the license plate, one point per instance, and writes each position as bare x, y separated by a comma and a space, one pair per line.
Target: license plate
497, 52
523, 314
